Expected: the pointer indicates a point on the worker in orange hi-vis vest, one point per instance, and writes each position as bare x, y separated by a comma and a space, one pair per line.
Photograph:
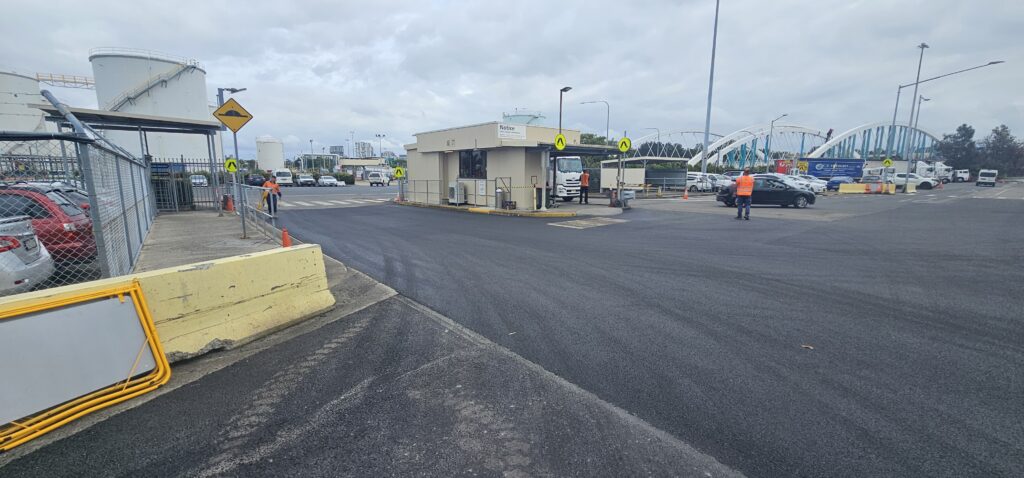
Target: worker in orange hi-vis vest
273, 195
744, 190
585, 187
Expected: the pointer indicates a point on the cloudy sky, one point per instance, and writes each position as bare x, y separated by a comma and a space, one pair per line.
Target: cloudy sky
320, 69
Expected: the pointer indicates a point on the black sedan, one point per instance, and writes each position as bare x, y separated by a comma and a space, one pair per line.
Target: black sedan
769, 191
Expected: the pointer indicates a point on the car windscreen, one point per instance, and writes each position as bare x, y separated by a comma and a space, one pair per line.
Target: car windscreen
987, 175
65, 204
283, 174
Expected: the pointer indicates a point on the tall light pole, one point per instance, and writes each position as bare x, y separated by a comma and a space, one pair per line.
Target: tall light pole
920, 99
380, 144
607, 117
561, 94
711, 84
768, 142
352, 144
906, 135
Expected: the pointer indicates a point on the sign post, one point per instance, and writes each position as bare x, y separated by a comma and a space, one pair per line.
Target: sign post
232, 115
624, 145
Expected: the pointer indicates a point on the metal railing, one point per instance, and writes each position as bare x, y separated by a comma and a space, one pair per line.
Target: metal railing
258, 208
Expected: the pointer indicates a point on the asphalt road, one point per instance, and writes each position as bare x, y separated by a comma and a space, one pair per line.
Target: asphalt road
883, 338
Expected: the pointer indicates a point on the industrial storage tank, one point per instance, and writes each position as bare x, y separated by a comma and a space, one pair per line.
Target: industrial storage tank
17, 91
157, 84
269, 153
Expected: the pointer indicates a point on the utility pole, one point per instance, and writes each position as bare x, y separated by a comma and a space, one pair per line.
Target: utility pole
711, 84
906, 138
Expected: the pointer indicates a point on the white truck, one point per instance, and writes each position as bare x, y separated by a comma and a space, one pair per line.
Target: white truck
961, 175
935, 170
568, 170
284, 177
987, 177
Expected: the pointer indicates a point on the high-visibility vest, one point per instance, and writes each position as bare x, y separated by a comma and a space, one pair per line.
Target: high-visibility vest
585, 180
274, 187
744, 185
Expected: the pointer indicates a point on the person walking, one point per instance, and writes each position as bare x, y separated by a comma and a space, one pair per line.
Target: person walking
585, 187
272, 195
744, 189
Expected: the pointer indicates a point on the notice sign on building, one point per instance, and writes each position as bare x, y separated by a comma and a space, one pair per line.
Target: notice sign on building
511, 131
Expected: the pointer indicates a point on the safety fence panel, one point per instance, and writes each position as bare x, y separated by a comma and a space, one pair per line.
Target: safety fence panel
183, 184
70, 211
260, 208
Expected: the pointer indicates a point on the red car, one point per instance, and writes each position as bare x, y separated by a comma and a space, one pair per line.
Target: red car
63, 227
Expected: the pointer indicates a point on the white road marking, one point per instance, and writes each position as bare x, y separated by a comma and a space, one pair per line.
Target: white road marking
587, 223
300, 203
358, 201
322, 203
343, 203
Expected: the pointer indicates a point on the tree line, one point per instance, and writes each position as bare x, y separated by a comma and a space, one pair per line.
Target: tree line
999, 150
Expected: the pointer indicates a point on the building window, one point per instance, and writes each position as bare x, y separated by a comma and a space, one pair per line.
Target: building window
473, 164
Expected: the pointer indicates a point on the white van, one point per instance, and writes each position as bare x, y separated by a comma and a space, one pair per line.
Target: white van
987, 177
284, 177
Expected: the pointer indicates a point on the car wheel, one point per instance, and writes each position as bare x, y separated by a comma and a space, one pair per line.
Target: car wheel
945, 181
924, 186
693, 189
730, 204
800, 202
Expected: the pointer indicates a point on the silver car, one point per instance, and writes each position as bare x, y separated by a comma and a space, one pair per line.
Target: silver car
24, 261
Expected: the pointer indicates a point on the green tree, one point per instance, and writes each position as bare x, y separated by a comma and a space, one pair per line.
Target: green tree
959, 149
1003, 152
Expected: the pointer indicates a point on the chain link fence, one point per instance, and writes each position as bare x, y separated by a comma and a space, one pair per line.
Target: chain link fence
72, 209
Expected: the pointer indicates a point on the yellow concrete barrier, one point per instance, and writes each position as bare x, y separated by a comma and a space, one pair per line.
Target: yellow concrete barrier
218, 304
852, 188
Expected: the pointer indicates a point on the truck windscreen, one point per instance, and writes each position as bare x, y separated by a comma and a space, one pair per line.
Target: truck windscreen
570, 165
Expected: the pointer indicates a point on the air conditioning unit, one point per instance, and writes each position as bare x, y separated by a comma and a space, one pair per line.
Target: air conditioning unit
456, 193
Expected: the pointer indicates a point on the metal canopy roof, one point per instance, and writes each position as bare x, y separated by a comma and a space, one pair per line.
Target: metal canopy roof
116, 120
648, 159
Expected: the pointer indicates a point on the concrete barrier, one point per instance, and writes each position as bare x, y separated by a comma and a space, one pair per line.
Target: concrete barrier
852, 188
225, 302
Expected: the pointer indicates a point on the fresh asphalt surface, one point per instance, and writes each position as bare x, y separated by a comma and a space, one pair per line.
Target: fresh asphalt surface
888, 343
865, 336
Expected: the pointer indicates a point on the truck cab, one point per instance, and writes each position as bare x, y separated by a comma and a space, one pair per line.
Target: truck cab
568, 170
962, 175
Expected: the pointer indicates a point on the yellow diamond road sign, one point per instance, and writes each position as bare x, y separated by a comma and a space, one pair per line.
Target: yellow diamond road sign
887, 163
625, 144
231, 165
560, 142
399, 172
232, 115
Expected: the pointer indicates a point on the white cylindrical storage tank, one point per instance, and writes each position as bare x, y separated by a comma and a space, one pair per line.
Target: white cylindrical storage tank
269, 153
16, 92
157, 84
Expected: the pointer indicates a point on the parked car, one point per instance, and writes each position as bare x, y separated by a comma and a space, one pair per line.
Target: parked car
24, 261
305, 180
76, 195
255, 180
875, 179
733, 174
326, 180
719, 181
987, 177
198, 180
833, 184
818, 185
770, 190
284, 177
920, 182
699, 182
790, 180
63, 227
380, 179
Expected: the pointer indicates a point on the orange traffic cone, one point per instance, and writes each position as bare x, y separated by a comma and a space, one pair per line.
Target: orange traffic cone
286, 240
686, 194
229, 204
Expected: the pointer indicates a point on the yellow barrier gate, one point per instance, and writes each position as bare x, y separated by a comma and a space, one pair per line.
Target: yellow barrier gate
65, 357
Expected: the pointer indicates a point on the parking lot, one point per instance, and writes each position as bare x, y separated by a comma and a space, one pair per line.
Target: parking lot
862, 336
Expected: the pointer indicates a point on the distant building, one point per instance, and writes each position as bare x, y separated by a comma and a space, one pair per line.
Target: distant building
389, 155
317, 162
363, 149
339, 150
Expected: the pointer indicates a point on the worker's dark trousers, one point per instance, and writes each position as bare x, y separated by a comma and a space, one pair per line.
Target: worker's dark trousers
272, 204
584, 194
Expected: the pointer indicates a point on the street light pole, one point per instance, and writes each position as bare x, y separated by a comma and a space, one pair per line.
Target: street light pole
711, 84
906, 136
380, 144
768, 142
917, 120
561, 94
607, 117
895, 109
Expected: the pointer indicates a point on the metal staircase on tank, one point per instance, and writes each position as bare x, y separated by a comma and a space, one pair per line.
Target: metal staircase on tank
131, 95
